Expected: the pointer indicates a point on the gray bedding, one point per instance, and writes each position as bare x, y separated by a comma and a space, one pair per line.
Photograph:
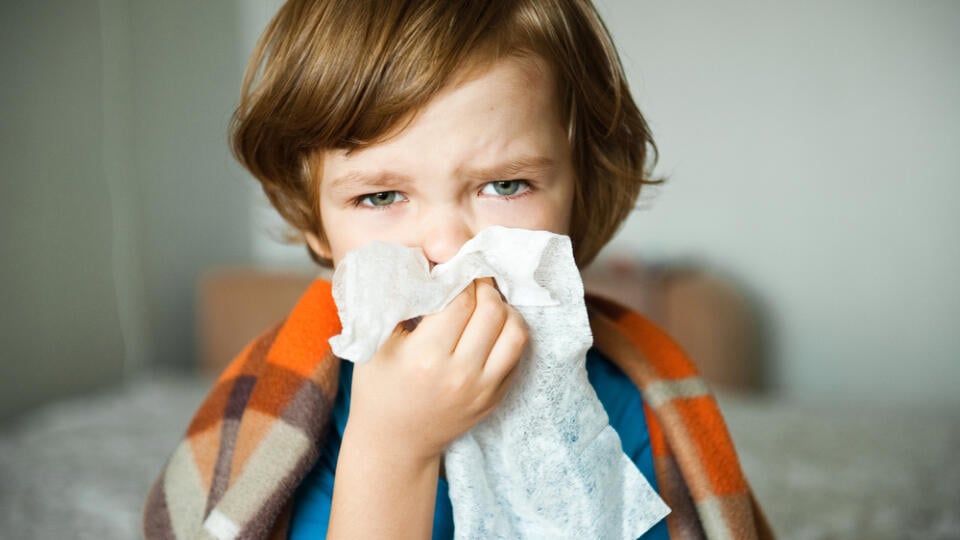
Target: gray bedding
80, 468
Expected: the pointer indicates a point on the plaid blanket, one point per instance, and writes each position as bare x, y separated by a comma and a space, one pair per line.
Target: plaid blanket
261, 428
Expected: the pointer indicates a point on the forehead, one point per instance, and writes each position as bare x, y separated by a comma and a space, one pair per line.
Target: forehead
489, 111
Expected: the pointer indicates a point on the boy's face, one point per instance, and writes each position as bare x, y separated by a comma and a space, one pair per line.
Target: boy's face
488, 151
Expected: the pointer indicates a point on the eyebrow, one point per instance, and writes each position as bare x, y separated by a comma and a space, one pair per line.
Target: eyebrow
385, 180
509, 169
357, 179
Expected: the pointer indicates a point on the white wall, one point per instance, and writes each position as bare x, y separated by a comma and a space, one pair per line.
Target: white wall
812, 152
59, 321
117, 188
191, 195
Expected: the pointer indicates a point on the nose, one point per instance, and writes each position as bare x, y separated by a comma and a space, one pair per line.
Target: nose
442, 234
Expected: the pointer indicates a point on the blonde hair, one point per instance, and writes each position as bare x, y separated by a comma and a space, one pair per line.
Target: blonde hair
343, 74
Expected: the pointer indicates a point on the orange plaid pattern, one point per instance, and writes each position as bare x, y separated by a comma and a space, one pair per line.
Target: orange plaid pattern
262, 426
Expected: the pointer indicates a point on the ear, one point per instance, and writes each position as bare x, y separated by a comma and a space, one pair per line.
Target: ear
319, 246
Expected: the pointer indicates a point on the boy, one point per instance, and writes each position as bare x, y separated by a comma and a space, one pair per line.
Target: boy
422, 123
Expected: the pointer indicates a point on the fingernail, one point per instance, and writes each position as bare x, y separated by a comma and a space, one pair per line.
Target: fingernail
410, 325
497, 287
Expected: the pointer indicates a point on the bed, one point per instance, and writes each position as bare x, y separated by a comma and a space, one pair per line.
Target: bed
80, 468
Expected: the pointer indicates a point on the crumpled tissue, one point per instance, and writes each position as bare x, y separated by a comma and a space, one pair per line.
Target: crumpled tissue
546, 463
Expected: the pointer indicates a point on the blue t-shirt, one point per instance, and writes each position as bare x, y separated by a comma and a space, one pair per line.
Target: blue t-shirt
620, 398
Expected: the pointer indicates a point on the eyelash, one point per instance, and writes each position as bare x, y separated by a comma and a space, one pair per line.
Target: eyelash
360, 201
523, 188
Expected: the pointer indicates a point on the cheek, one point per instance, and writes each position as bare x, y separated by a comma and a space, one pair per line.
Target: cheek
339, 233
557, 212
350, 229
560, 221
540, 215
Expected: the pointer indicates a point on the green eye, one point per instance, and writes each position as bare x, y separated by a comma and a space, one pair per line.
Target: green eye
504, 188
384, 198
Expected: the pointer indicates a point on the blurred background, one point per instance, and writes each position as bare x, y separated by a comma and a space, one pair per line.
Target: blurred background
811, 150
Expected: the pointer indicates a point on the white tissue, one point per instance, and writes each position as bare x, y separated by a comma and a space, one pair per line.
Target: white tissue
545, 463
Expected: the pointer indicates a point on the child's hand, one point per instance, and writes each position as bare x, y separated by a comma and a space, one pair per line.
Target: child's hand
424, 388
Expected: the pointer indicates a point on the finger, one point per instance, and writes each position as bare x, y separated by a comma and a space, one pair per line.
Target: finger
443, 329
505, 385
485, 324
492, 396
506, 352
